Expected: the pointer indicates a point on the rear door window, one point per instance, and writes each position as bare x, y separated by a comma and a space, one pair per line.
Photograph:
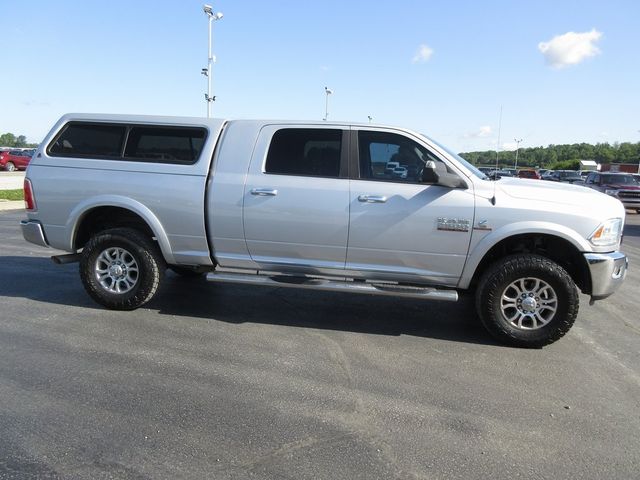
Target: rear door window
314, 152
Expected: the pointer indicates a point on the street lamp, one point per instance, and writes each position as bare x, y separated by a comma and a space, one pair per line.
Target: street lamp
517, 147
370, 118
327, 92
207, 72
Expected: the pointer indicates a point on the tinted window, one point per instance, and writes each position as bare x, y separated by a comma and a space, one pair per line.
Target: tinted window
305, 151
89, 140
392, 157
619, 179
167, 145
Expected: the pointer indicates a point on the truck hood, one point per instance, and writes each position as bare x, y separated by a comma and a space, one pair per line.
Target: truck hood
557, 193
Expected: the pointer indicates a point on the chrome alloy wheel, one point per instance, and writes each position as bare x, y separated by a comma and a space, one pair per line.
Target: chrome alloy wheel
529, 303
116, 270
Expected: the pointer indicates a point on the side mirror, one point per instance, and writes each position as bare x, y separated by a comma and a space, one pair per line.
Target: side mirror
429, 174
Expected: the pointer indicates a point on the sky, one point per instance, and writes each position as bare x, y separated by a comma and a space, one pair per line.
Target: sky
560, 71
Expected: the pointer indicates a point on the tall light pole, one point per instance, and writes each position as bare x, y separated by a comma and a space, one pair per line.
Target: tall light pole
208, 10
517, 148
327, 92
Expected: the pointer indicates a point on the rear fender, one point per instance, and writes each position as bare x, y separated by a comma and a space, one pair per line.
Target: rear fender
78, 213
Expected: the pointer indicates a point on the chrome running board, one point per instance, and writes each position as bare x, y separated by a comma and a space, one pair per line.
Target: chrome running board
313, 283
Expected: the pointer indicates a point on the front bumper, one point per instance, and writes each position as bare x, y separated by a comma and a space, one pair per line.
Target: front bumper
607, 272
32, 232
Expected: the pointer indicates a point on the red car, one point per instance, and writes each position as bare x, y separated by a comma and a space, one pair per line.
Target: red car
528, 174
15, 159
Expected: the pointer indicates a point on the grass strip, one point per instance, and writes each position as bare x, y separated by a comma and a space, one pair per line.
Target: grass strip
17, 194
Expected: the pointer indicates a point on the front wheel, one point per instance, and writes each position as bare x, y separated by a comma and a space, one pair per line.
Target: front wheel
10, 167
121, 268
527, 300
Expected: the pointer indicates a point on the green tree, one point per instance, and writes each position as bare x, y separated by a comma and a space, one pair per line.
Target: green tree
7, 140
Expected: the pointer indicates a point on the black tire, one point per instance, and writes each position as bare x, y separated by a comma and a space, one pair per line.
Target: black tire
186, 271
121, 268
10, 167
513, 315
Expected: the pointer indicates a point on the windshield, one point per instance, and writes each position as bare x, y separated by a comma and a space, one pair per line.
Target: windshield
620, 179
473, 169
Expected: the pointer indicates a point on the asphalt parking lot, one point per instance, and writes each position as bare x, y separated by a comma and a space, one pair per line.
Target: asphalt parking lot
224, 381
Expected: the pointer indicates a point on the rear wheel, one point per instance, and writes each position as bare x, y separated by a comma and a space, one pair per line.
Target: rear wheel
121, 268
10, 167
527, 300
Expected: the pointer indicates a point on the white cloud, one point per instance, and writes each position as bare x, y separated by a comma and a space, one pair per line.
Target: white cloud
570, 48
483, 132
423, 54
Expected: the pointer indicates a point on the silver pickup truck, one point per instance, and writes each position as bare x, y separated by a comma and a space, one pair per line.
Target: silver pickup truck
328, 206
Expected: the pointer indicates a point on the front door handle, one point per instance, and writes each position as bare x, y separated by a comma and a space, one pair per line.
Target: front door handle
372, 198
264, 192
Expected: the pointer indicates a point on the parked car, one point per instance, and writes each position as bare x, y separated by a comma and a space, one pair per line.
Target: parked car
619, 185
390, 167
567, 176
497, 174
528, 174
400, 172
15, 159
291, 204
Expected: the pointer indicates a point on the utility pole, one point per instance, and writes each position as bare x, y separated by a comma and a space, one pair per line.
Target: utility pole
327, 92
207, 72
517, 148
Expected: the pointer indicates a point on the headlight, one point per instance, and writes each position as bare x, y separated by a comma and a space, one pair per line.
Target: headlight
608, 233
609, 191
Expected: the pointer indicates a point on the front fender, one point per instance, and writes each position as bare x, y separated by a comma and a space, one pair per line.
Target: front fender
84, 207
511, 230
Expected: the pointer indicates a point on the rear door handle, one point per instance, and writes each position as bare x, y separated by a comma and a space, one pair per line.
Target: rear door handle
264, 192
372, 198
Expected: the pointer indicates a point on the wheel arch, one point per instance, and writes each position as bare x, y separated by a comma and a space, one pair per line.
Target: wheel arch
111, 212
565, 250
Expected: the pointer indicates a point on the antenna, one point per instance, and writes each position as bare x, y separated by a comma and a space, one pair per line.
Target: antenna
499, 131
493, 199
